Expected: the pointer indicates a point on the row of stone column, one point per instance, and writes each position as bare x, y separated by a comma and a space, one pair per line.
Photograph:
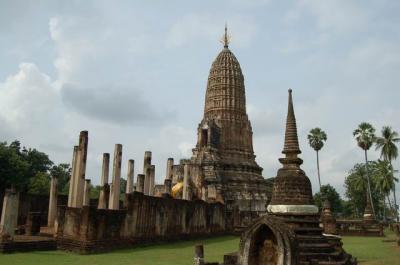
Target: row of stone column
109, 194
79, 191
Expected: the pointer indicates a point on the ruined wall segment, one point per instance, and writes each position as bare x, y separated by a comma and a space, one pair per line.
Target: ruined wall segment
145, 219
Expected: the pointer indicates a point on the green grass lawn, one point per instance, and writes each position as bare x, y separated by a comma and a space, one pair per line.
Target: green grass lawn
368, 250
372, 251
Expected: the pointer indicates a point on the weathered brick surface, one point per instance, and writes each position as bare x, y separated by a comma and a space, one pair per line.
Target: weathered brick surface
144, 220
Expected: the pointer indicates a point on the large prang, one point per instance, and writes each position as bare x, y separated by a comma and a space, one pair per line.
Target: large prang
223, 162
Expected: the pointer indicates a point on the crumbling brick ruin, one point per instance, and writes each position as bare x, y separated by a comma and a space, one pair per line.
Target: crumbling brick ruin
144, 219
290, 233
141, 217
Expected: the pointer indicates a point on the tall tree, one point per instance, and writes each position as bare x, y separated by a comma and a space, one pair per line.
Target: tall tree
365, 136
356, 185
383, 179
386, 143
316, 139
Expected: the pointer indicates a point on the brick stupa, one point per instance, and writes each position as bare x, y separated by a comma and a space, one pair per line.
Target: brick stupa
290, 234
292, 203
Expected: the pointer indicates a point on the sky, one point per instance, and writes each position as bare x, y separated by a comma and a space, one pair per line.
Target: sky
135, 73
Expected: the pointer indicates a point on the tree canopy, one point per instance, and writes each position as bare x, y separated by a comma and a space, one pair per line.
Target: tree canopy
316, 138
29, 170
330, 193
365, 135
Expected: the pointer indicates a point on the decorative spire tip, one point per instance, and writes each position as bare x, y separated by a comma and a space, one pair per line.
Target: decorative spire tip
226, 38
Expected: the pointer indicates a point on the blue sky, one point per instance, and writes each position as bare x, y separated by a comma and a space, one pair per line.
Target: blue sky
135, 73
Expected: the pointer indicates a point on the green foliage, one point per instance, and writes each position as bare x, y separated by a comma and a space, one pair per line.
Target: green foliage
316, 138
387, 143
95, 192
356, 188
365, 135
347, 209
29, 169
63, 174
122, 186
13, 169
40, 184
329, 192
38, 161
382, 176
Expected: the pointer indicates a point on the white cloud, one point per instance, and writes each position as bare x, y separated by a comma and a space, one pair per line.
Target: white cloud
27, 98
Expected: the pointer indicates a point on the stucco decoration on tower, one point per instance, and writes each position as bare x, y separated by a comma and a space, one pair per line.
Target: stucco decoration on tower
223, 163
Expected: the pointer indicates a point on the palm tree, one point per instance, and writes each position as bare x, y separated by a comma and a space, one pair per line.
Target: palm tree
383, 179
365, 136
356, 187
387, 144
316, 139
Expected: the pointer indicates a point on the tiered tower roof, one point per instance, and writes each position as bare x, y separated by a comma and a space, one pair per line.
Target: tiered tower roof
292, 191
225, 87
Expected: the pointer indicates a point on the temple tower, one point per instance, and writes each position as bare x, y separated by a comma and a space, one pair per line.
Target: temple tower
223, 166
292, 189
292, 207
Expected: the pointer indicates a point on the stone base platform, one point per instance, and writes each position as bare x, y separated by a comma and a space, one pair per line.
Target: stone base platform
23, 243
106, 245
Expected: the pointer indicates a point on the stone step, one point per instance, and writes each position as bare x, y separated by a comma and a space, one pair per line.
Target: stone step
324, 251
341, 262
311, 237
315, 245
335, 255
306, 230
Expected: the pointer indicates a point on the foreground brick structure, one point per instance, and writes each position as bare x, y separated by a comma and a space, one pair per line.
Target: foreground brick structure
145, 219
290, 233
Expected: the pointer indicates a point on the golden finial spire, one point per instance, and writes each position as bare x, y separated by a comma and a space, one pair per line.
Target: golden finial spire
226, 38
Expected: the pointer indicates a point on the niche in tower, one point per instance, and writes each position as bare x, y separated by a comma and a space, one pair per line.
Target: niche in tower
263, 248
204, 137
214, 133
209, 135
